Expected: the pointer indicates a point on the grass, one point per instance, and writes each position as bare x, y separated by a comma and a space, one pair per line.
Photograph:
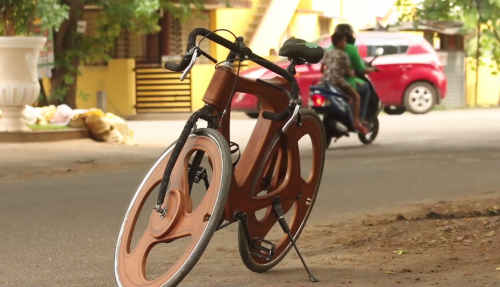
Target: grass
47, 128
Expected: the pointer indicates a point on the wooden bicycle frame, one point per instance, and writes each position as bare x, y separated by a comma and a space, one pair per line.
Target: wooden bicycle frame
240, 198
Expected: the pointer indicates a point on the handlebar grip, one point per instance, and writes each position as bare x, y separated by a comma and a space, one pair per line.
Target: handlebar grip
277, 117
177, 67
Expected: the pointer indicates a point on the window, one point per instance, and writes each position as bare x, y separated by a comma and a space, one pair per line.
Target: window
324, 26
391, 46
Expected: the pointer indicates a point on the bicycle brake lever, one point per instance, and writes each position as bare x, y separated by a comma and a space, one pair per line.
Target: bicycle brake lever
191, 64
292, 118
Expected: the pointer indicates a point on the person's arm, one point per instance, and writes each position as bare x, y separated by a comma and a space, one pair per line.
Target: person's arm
369, 70
324, 61
357, 62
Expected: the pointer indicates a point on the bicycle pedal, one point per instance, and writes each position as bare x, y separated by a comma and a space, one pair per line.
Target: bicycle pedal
260, 249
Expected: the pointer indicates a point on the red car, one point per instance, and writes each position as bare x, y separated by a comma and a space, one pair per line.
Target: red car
411, 76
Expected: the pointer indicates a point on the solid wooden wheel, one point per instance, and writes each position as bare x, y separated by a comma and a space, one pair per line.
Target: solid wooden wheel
272, 176
182, 220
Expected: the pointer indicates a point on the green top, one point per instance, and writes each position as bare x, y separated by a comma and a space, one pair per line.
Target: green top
357, 63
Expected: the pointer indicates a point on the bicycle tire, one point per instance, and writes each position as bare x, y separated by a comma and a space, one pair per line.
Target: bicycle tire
319, 147
213, 220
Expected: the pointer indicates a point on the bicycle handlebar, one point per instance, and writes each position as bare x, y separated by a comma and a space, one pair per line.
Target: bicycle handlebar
244, 52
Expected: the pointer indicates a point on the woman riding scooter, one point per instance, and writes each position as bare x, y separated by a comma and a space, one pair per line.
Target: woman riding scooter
336, 70
357, 64
337, 107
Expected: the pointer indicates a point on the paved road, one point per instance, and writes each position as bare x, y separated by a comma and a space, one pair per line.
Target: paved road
60, 229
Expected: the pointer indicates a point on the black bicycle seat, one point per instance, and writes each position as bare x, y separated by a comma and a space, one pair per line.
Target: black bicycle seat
294, 48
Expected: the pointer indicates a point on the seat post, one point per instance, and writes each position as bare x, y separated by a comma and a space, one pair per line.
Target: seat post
293, 63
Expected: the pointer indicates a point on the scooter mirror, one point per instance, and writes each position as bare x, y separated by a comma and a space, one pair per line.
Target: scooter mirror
379, 51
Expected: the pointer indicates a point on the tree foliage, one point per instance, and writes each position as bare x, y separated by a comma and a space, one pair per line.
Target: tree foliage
72, 48
17, 16
467, 11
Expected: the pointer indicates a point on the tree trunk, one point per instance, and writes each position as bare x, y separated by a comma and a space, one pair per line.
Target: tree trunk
7, 22
42, 99
66, 40
70, 98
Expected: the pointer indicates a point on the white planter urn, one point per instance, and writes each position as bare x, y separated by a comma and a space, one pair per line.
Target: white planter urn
19, 84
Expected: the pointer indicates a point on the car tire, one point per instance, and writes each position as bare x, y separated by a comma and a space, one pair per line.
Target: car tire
420, 98
394, 111
253, 115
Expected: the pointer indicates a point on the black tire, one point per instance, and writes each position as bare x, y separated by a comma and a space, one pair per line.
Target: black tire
420, 98
214, 219
329, 125
252, 115
394, 111
372, 135
242, 241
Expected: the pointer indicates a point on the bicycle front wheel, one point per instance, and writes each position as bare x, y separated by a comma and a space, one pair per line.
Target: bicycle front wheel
186, 220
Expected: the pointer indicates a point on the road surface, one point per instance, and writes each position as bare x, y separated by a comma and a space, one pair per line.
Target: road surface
60, 229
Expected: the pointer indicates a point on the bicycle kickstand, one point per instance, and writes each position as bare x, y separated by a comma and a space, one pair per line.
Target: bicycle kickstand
278, 211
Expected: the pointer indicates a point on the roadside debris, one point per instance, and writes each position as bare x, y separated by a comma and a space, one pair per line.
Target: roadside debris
103, 127
400, 251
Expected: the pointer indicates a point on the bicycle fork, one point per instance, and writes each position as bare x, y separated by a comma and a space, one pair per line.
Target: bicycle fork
205, 113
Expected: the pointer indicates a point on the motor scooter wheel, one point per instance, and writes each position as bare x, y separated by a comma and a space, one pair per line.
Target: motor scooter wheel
370, 137
329, 126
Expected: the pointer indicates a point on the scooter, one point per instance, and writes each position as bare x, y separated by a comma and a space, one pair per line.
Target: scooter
331, 102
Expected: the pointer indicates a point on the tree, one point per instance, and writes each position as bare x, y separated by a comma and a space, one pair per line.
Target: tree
473, 13
17, 16
72, 48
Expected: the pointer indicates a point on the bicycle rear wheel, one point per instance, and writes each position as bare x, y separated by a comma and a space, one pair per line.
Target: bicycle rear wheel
274, 171
182, 220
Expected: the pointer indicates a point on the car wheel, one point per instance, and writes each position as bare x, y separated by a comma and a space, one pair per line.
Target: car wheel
394, 111
253, 115
420, 98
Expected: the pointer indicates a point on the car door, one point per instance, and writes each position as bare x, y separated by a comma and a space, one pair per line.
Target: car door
393, 64
307, 76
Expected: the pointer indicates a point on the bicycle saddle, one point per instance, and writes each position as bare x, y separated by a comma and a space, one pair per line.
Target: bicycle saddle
294, 48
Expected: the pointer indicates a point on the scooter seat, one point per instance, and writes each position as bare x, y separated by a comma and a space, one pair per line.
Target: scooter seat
329, 90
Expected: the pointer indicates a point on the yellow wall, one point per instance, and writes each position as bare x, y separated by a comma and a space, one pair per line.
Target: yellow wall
306, 4
117, 80
489, 85
200, 78
304, 26
232, 19
273, 25
91, 80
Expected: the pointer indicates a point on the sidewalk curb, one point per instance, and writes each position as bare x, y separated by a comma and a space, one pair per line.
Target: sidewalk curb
43, 136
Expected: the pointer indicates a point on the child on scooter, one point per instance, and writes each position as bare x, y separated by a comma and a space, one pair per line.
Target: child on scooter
334, 66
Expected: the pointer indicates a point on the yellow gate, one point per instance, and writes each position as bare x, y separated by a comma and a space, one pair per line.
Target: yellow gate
161, 91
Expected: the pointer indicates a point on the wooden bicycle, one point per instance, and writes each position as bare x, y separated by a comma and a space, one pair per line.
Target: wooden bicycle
266, 178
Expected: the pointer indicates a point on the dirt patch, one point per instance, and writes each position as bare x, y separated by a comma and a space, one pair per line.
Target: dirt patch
449, 243
445, 244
